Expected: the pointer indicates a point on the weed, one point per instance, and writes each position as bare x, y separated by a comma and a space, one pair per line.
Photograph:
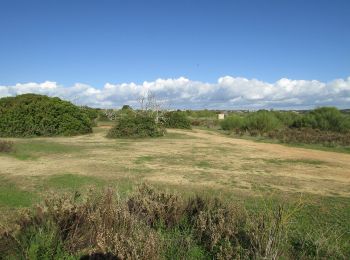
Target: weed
6, 146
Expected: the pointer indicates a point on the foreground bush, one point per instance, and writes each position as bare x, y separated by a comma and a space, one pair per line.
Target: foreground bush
153, 224
136, 125
177, 119
65, 228
37, 115
6, 146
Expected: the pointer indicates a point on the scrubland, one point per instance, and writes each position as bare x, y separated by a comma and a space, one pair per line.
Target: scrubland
203, 195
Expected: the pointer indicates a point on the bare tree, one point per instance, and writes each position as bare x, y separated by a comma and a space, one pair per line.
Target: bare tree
150, 104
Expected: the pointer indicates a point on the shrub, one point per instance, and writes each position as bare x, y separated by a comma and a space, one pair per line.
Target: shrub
262, 121
38, 115
92, 113
325, 119
64, 227
287, 118
6, 146
232, 122
205, 122
177, 119
156, 207
136, 125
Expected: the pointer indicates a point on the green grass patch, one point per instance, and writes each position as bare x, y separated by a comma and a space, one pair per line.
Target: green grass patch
13, 197
33, 149
69, 181
294, 161
144, 159
203, 164
177, 136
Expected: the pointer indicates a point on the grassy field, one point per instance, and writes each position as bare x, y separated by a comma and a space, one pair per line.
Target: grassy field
187, 162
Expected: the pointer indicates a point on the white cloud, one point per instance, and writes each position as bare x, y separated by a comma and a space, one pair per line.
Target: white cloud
227, 93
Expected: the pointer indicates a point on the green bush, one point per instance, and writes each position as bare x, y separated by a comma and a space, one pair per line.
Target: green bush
325, 119
37, 115
262, 121
136, 125
232, 122
92, 113
177, 119
287, 118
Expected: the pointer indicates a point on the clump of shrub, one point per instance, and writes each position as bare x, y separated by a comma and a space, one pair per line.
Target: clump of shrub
137, 125
205, 122
259, 122
232, 122
6, 146
177, 119
37, 115
65, 227
156, 207
325, 119
262, 121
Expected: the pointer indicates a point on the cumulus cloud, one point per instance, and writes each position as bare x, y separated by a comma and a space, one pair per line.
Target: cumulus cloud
227, 93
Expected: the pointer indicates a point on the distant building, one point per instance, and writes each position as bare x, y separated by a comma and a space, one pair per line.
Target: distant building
221, 116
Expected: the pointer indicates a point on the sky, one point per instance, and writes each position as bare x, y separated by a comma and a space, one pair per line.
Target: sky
192, 54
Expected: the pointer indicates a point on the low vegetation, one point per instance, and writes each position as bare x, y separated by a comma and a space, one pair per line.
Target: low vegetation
37, 115
154, 224
6, 146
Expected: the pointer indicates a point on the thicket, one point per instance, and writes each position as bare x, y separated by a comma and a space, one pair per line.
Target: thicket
325, 119
153, 224
137, 125
177, 119
326, 125
37, 115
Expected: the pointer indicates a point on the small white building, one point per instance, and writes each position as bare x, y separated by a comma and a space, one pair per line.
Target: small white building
221, 116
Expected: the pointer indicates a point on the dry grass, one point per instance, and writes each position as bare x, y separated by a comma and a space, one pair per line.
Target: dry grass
188, 158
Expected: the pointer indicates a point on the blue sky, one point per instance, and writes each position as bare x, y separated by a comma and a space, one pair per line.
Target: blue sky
99, 42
